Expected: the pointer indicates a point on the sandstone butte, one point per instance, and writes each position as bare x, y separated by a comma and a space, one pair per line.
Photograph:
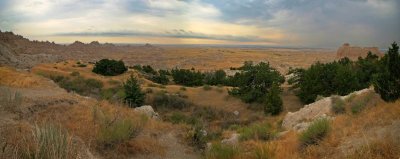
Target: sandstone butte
353, 52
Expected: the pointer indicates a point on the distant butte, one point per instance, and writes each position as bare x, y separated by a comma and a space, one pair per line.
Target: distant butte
353, 52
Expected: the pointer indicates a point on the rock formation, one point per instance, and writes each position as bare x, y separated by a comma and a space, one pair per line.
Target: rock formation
301, 119
353, 52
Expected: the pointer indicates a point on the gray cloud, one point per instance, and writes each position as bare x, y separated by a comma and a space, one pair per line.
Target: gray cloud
177, 33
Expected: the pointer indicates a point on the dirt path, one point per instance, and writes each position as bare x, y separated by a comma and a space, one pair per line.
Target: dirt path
174, 149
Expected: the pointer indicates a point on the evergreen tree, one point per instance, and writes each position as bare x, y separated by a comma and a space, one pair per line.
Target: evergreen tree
273, 102
134, 96
387, 82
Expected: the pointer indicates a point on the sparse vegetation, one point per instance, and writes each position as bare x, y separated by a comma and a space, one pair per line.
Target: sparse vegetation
78, 84
9, 100
315, 132
164, 100
220, 151
108, 67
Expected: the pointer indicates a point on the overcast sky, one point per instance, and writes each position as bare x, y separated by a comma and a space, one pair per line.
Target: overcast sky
307, 23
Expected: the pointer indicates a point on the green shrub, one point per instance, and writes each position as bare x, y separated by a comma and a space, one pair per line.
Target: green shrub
315, 132
182, 88
80, 85
134, 96
9, 100
50, 142
220, 151
82, 65
187, 77
215, 78
338, 105
108, 67
163, 100
260, 131
254, 82
339, 77
273, 103
207, 87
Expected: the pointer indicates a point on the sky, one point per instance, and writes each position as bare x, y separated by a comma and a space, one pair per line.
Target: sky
303, 23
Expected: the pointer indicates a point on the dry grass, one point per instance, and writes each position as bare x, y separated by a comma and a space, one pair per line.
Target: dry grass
12, 78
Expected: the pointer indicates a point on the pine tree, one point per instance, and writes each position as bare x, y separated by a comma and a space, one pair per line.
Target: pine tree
273, 103
134, 96
387, 82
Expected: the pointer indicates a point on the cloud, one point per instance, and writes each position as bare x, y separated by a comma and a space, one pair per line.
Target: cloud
176, 33
315, 23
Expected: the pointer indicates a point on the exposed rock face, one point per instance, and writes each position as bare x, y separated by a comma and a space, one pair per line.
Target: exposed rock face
301, 119
233, 140
353, 52
148, 111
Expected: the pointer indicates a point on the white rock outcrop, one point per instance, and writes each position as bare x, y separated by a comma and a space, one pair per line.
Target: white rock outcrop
233, 140
301, 119
148, 111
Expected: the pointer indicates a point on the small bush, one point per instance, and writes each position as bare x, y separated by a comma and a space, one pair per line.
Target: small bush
220, 151
198, 136
163, 100
182, 88
207, 87
256, 132
50, 142
315, 132
108, 67
115, 129
82, 65
359, 103
338, 105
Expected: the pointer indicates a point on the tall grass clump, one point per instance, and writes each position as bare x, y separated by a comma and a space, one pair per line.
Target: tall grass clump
358, 104
260, 131
338, 105
220, 151
9, 100
47, 142
263, 151
315, 132
116, 129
